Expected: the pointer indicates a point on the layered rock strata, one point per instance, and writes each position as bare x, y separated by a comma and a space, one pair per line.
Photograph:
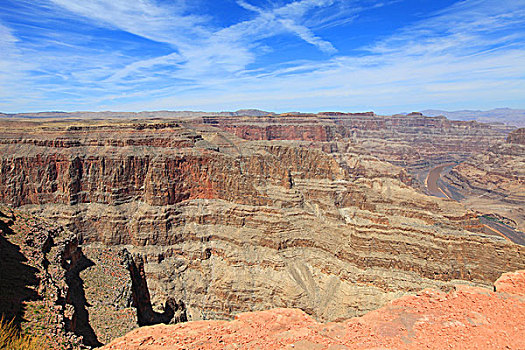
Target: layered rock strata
517, 137
207, 225
493, 182
466, 318
413, 140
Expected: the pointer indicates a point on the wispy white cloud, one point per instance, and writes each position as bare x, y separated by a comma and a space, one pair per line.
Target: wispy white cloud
171, 59
471, 52
466, 26
199, 53
364, 84
146, 18
199, 48
308, 36
459, 57
289, 17
13, 68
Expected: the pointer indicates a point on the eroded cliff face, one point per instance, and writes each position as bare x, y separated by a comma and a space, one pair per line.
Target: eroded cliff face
143, 166
41, 288
414, 141
207, 225
493, 181
517, 137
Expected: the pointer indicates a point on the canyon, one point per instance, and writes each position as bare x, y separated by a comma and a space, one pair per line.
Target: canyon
493, 181
205, 217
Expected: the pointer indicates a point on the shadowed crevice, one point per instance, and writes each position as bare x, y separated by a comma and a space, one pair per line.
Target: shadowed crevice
74, 261
174, 311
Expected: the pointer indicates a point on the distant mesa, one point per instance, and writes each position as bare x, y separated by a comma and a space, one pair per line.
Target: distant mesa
133, 115
338, 114
505, 116
252, 112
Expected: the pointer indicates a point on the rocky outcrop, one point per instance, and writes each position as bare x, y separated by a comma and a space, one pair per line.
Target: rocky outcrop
39, 270
217, 225
174, 312
71, 296
465, 318
517, 136
73, 261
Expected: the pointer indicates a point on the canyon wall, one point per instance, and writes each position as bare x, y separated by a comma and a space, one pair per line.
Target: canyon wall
412, 140
197, 223
493, 181
517, 137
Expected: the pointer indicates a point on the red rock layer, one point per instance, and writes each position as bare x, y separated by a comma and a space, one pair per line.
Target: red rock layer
112, 176
466, 318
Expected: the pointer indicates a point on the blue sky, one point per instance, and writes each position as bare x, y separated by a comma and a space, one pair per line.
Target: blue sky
305, 55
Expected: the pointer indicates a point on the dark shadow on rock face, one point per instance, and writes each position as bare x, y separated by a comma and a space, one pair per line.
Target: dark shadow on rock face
74, 261
6, 227
17, 279
174, 311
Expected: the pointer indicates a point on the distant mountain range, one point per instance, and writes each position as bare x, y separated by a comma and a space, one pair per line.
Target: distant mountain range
132, 115
506, 116
498, 115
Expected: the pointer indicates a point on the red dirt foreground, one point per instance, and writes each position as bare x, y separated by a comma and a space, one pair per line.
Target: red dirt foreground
466, 318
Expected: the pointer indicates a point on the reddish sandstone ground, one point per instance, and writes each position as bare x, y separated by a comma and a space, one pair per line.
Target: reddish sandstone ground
466, 318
